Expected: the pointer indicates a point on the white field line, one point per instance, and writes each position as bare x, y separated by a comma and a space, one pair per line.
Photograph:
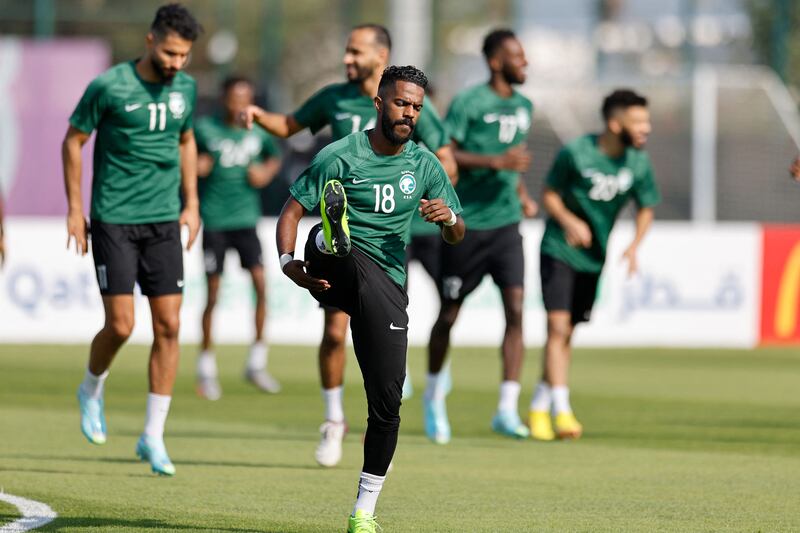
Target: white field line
34, 514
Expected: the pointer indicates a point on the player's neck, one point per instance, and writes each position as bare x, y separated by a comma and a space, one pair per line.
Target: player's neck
610, 145
380, 144
369, 86
144, 67
500, 86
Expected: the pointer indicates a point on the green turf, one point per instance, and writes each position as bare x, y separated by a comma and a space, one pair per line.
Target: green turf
7, 512
675, 440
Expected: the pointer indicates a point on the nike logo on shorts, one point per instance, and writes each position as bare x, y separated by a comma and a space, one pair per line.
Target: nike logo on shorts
132, 107
395, 328
356, 181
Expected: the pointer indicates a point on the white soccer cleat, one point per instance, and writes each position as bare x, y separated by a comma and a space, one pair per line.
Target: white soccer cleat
329, 449
208, 388
263, 380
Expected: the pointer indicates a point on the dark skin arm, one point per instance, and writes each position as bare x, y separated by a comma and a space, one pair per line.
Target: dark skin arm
286, 238
516, 158
71, 158
190, 216
277, 124
436, 210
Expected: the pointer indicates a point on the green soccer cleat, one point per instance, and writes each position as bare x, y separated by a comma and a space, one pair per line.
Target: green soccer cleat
153, 450
362, 522
509, 424
333, 208
93, 420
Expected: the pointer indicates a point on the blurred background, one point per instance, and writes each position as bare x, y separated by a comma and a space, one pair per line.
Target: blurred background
721, 76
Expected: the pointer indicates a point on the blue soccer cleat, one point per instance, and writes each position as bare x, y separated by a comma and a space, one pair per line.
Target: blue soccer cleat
508, 423
93, 421
152, 450
437, 426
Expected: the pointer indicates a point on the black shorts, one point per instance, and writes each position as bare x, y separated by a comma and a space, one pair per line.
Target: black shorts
497, 252
566, 289
147, 254
217, 242
427, 249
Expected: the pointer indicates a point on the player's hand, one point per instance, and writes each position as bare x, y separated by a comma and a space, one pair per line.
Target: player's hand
258, 175
516, 158
296, 271
205, 163
795, 169
630, 257
578, 233
435, 210
190, 217
250, 115
529, 206
77, 229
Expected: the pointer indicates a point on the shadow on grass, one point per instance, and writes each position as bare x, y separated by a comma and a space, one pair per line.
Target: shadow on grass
68, 472
125, 460
143, 524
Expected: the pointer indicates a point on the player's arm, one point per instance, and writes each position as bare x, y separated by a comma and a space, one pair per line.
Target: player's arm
436, 211
72, 162
644, 219
576, 231
516, 158
529, 206
277, 124
286, 238
190, 216
448, 160
259, 175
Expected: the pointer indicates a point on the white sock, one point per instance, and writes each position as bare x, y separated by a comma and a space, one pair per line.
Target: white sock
320, 241
333, 404
369, 488
207, 364
509, 396
542, 397
434, 389
257, 360
561, 399
157, 410
92, 385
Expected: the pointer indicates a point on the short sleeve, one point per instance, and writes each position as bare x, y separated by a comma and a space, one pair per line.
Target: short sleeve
308, 187
439, 186
563, 167
645, 190
188, 123
457, 120
430, 130
269, 148
201, 136
313, 113
91, 107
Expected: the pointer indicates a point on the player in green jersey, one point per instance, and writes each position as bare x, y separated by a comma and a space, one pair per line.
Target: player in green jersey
234, 164
489, 124
373, 182
591, 180
144, 153
347, 108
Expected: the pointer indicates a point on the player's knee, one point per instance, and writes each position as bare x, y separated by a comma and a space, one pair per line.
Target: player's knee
333, 338
559, 331
447, 318
167, 326
121, 327
384, 410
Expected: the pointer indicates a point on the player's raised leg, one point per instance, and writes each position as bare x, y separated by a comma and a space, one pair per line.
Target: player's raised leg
105, 345
332, 360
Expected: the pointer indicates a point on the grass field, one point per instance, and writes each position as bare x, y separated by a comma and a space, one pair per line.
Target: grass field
675, 440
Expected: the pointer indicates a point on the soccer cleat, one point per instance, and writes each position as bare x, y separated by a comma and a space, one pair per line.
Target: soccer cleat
263, 380
152, 450
208, 388
93, 420
329, 449
541, 425
362, 522
408, 388
567, 426
333, 208
509, 424
437, 426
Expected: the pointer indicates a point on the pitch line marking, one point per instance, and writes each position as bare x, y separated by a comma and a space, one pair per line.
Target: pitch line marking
34, 514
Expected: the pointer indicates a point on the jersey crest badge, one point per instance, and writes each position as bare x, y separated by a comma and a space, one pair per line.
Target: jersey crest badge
177, 104
408, 184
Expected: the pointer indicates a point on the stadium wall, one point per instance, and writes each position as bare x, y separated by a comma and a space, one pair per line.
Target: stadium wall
699, 285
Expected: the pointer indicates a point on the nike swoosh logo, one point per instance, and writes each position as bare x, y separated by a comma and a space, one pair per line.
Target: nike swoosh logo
180, 283
132, 107
395, 328
356, 181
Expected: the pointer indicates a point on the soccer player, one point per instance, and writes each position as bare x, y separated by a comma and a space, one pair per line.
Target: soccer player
369, 186
348, 107
489, 124
235, 164
144, 153
591, 180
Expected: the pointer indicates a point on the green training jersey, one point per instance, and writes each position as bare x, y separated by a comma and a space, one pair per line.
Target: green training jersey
383, 194
595, 187
136, 165
227, 201
482, 122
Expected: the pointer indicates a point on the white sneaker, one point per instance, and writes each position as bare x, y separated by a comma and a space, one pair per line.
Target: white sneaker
329, 449
263, 380
208, 388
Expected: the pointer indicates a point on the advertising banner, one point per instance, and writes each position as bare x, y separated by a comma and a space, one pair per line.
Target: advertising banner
780, 285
